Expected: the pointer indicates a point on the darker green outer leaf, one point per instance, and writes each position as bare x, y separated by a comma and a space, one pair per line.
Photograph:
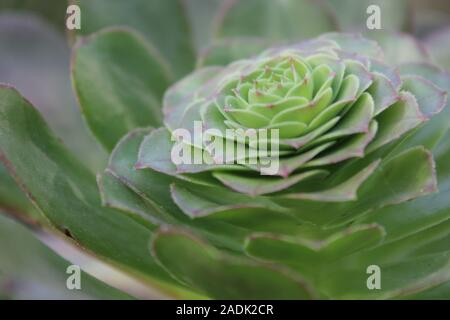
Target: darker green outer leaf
221, 275
224, 51
119, 80
66, 192
286, 20
163, 23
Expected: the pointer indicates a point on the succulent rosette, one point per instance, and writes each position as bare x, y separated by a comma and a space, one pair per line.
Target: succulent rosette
337, 108
315, 169
348, 124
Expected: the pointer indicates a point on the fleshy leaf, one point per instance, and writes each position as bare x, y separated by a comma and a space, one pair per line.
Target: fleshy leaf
356, 120
218, 274
438, 45
431, 99
346, 191
353, 147
66, 192
115, 194
198, 201
224, 51
383, 92
397, 120
262, 185
356, 44
272, 20
394, 183
35, 58
119, 80
400, 47
163, 23
310, 255
174, 101
294, 162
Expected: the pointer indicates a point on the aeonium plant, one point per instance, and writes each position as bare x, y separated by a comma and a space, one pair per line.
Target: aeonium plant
319, 162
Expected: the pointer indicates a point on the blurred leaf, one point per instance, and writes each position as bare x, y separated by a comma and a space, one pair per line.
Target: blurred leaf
35, 58
201, 14
223, 276
399, 48
120, 81
273, 19
11, 197
224, 51
66, 192
30, 270
438, 44
352, 15
53, 11
441, 292
429, 16
163, 22
405, 268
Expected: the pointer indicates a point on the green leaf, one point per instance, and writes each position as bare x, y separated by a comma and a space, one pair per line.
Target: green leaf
345, 191
199, 201
277, 20
53, 11
393, 183
223, 276
356, 120
310, 256
11, 197
294, 162
30, 270
35, 58
66, 192
119, 80
383, 92
431, 132
408, 266
174, 102
430, 98
438, 44
258, 185
397, 120
399, 48
354, 147
154, 188
164, 23
117, 195
357, 44
152, 184
352, 15
439, 292
224, 51
420, 214
201, 17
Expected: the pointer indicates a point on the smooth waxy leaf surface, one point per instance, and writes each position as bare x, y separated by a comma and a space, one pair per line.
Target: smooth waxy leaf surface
35, 58
278, 20
119, 80
219, 274
164, 23
66, 192
30, 270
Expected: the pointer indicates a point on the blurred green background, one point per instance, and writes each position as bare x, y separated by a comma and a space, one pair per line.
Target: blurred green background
35, 58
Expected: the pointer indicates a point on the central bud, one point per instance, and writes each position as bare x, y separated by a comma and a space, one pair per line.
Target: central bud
287, 93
